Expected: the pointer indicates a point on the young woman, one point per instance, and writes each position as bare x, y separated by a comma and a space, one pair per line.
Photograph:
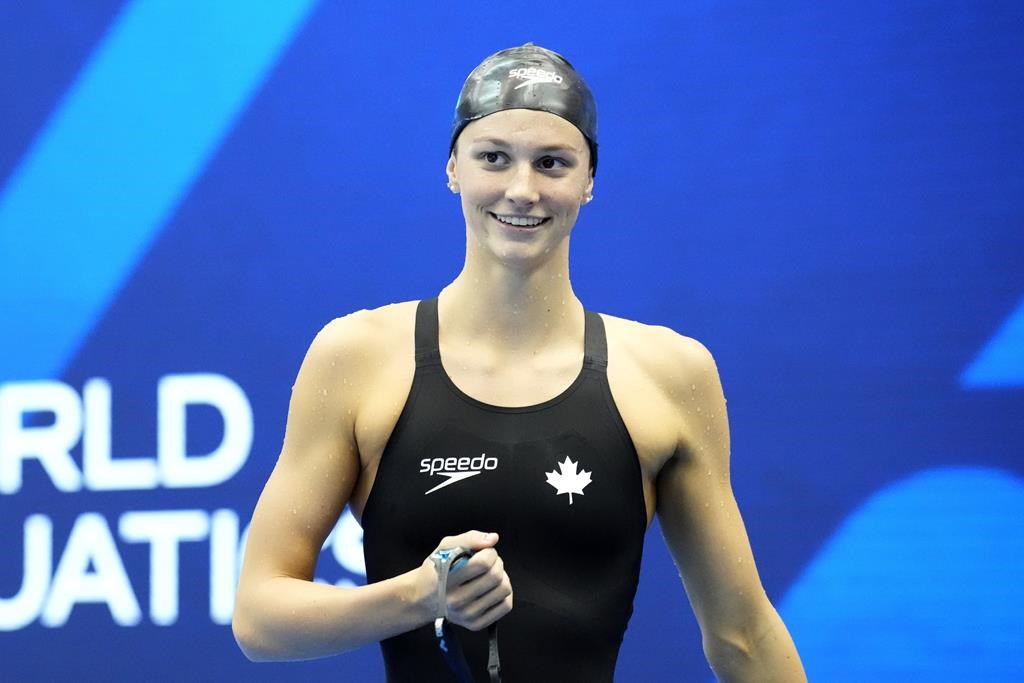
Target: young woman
504, 422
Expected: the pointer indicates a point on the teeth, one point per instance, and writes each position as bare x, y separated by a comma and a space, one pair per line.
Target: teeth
521, 221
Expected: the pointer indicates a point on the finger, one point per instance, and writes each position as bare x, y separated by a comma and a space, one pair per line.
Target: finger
491, 613
479, 564
473, 540
477, 577
469, 590
484, 612
475, 598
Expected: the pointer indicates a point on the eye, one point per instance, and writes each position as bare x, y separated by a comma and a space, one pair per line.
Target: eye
552, 163
492, 158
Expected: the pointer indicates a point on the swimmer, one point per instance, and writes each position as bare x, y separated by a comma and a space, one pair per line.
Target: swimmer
503, 422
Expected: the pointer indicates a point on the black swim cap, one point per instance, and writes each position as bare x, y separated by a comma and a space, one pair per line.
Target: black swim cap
528, 77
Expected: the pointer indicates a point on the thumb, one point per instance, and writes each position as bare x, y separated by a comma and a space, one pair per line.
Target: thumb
472, 540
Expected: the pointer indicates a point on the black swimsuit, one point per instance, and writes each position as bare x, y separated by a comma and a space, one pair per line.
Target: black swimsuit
559, 481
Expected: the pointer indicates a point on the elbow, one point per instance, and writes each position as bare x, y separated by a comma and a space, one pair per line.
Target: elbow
246, 637
732, 645
756, 647
728, 652
251, 639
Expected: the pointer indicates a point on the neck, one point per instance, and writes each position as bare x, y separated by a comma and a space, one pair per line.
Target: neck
516, 310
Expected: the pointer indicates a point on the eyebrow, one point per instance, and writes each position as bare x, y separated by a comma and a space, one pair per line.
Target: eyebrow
546, 148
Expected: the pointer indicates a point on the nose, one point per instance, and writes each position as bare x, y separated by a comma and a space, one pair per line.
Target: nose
522, 186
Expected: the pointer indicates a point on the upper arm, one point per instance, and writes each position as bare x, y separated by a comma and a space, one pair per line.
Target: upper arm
696, 507
318, 464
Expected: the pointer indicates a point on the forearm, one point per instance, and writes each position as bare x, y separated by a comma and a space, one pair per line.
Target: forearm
765, 654
283, 618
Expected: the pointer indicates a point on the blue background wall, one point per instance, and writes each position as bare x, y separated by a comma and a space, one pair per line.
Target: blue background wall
830, 197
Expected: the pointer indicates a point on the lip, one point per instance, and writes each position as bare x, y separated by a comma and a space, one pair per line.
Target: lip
520, 228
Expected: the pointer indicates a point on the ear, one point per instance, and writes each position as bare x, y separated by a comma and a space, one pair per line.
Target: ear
449, 169
588, 192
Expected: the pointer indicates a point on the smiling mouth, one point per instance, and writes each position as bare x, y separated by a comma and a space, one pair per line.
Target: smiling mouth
520, 221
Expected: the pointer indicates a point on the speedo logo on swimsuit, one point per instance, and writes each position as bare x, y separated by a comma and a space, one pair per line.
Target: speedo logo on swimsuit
456, 469
531, 74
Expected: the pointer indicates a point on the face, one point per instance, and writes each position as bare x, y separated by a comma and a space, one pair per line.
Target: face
522, 176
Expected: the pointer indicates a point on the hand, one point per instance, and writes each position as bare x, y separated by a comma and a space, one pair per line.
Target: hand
480, 592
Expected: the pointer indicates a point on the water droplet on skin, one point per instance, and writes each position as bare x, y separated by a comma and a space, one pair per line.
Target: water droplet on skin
698, 409
325, 392
293, 511
693, 387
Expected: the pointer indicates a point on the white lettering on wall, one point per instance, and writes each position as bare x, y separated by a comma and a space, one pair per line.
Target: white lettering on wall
51, 444
347, 544
102, 473
51, 596
90, 543
225, 563
174, 394
164, 530
22, 609
89, 420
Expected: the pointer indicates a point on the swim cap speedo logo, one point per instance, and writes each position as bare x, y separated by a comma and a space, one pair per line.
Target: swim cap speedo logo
531, 74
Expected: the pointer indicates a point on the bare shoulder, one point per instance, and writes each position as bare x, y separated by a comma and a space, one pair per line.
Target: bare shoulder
357, 358
363, 340
665, 356
364, 334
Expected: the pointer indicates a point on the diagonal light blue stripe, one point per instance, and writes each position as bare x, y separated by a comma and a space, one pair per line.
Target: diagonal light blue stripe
131, 135
888, 596
1000, 363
